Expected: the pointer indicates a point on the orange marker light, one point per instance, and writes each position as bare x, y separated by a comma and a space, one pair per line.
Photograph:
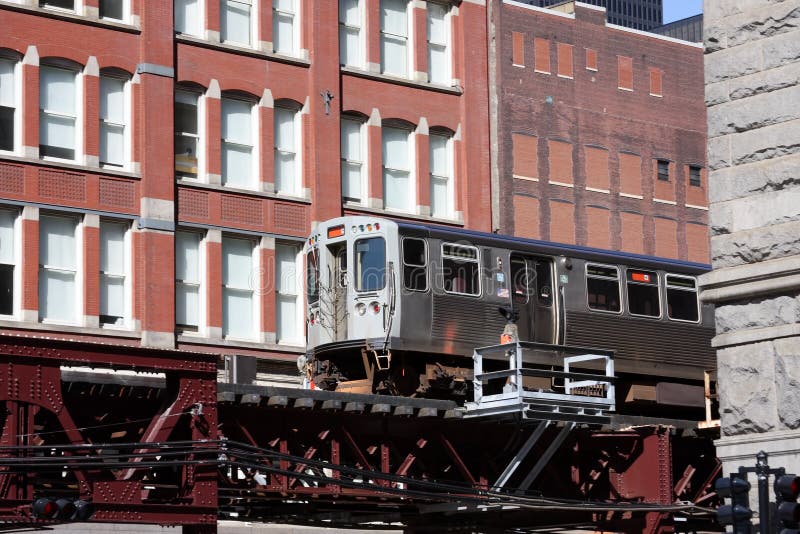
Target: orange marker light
336, 231
640, 277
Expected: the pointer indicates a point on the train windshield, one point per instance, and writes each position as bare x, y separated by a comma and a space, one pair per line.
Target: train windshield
370, 264
312, 275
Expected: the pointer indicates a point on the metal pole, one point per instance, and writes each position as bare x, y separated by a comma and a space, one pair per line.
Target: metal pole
762, 470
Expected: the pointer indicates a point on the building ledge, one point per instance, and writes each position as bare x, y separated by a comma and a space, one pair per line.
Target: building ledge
236, 191
71, 17
391, 214
236, 343
70, 329
456, 90
751, 280
241, 50
755, 335
70, 166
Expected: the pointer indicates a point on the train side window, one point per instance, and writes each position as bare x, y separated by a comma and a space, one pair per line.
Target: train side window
312, 276
461, 269
643, 295
415, 259
682, 303
520, 280
544, 282
602, 288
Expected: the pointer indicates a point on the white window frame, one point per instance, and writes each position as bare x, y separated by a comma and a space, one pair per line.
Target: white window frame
344, 28
16, 103
78, 117
254, 295
409, 40
200, 284
661, 299
16, 252
297, 185
476, 261
295, 14
78, 272
449, 211
126, 10
77, 7
125, 274
197, 31
362, 163
410, 161
252, 182
297, 295
695, 290
619, 279
199, 136
252, 26
125, 125
445, 47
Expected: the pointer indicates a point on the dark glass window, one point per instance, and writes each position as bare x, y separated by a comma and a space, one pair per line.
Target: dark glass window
694, 176
6, 128
64, 4
6, 289
370, 264
414, 261
461, 269
602, 288
682, 304
111, 9
663, 170
186, 133
544, 283
520, 280
643, 297
312, 276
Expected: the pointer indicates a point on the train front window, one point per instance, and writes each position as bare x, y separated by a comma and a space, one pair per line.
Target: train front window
682, 302
415, 258
312, 276
602, 288
370, 264
461, 269
643, 296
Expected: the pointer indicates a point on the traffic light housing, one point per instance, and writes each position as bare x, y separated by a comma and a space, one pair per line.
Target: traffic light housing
787, 490
62, 509
738, 512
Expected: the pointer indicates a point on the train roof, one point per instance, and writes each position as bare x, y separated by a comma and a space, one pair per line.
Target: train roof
557, 249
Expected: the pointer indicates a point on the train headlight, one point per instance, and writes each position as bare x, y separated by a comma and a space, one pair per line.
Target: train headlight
361, 308
375, 307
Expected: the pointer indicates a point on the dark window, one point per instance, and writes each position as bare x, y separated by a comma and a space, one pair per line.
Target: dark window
64, 4
520, 280
663, 170
370, 264
544, 283
6, 289
461, 269
312, 276
694, 176
6, 128
415, 259
602, 288
186, 133
643, 298
111, 9
682, 298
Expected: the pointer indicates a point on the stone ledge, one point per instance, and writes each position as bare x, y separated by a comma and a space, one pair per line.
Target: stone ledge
755, 335
744, 447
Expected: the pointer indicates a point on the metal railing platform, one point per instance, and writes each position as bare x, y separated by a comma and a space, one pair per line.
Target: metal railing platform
581, 382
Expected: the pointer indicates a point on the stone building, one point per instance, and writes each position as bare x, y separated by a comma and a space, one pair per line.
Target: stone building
752, 71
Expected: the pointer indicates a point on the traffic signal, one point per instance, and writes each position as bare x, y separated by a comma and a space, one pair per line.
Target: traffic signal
63, 509
738, 512
787, 489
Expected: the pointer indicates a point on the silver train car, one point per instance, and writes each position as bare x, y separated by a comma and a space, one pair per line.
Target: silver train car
398, 307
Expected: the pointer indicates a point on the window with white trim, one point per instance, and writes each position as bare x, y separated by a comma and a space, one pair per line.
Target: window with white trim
644, 298
350, 43
441, 177
682, 301
114, 9
189, 303
237, 22
8, 261
287, 294
287, 142
187, 136
9, 136
189, 17
394, 37
68, 5
114, 133
284, 27
238, 160
398, 183
352, 150
461, 269
114, 279
59, 267
439, 44
239, 314
58, 113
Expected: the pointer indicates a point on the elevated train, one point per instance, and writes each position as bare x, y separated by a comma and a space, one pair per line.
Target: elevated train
398, 307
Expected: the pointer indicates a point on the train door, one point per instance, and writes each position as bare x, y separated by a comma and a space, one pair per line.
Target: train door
532, 293
336, 298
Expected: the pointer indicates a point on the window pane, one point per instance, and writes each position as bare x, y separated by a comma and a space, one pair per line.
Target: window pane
57, 242
370, 260
288, 323
350, 46
237, 121
237, 313
236, 166
351, 140
414, 260
284, 129
393, 17
7, 89
284, 5
440, 164
57, 91
112, 296
437, 30
112, 99
6, 128
236, 22
64, 4
111, 9
395, 148
187, 16
7, 236
57, 295
351, 181
396, 190
349, 13
57, 136
283, 29
682, 305
112, 144
286, 270
440, 197
6, 289
285, 173
187, 305
603, 294
237, 263
187, 256
393, 55
461, 276
438, 65
112, 248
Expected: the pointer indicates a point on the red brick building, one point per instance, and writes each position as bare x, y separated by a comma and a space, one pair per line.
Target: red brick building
599, 134
161, 162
